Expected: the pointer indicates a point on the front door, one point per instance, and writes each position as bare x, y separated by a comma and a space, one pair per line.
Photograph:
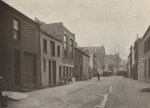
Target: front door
49, 72
29, 69
53, 72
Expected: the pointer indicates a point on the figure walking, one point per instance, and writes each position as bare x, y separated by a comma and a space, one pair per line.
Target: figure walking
98, 76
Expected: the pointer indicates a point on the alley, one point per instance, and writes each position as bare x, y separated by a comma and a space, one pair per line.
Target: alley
82, 94
126, 93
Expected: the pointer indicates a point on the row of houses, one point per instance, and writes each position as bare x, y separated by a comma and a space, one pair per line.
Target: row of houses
35, 54
139, 58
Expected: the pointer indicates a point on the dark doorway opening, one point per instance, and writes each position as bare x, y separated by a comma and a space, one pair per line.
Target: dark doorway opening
53, 72
49, 72
17, 75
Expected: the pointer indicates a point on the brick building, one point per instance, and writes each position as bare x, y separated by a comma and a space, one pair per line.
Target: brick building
99, 52
137, 51
146, 41
59, 31
81, 65
19, 49
78, 62
51, 59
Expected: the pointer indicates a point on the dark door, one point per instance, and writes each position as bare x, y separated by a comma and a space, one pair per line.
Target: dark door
29, 69
70, 72
53, 72
49, 72
80, 72
67, 72
17, 79
64, 71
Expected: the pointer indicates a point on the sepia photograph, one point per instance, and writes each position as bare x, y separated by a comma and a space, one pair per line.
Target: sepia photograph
74, 54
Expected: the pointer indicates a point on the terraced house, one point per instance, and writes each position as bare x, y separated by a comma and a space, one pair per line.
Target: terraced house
51, 59
146, 57
19, 49
59, 31
81, 65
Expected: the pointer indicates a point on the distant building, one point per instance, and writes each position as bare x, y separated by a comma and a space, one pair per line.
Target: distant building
19, 49
111, 63
137, 50
95, 65
146, 58
99, 52
81, 65
140, 60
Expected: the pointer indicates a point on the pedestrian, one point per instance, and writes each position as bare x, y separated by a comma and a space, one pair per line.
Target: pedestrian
98, 76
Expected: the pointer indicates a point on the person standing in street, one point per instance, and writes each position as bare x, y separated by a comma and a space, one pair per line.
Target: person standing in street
98, 76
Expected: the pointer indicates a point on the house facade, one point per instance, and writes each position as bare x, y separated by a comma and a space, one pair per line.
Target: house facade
140, 60
99, 52
112, 63
95, 70
19, 49
78, 62
85, 66
130, 56
51, 59
146, 41
81, 65
59, 31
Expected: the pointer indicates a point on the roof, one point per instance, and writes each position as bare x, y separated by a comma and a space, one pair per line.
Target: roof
82, 52
44, 32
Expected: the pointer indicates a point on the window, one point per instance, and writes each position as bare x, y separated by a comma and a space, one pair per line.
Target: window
16, 29
65, 45
52, 46
44, 46
58, 51
44, 64
71, 48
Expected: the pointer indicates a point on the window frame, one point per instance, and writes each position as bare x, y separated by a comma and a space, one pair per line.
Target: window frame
45, 46
58, 51
52, 47
16, 29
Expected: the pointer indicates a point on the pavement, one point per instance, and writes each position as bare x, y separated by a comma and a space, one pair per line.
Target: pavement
126, 93
14, 95
81, 94
109, 92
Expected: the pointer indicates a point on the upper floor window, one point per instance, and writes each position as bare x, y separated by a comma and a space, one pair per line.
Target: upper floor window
44, 46
58, 51
16, 29
65, 45
52, 46
71, 48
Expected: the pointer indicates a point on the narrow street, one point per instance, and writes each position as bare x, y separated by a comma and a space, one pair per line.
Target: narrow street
82, 94
126, 93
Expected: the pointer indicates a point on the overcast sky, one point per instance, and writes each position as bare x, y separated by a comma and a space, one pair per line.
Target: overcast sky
97, 22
